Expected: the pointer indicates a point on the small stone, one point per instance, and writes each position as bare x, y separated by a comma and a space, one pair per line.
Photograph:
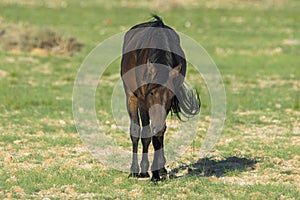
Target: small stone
9, 159
17, 141
262, 118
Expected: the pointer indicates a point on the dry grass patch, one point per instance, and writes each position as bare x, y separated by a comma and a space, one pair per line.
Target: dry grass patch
17, 38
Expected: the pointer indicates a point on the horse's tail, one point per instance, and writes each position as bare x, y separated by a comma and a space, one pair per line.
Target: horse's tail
186, 102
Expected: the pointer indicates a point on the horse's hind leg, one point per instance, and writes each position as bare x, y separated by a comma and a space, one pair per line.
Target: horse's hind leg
132, 107
146, 139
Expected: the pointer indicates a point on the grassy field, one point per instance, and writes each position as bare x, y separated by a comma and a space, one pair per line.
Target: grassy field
256, 46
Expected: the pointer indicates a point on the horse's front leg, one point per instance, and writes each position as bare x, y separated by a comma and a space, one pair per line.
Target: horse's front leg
146, 139
132, 108
158, 166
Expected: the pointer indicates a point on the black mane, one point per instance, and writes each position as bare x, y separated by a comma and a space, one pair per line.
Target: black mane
157, 23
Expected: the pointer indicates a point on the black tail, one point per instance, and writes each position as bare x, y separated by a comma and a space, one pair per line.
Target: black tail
186, 102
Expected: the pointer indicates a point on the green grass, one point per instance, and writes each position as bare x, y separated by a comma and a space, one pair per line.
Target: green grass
41, 154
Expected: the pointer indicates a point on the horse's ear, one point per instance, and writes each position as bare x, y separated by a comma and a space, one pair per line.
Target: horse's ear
175, 71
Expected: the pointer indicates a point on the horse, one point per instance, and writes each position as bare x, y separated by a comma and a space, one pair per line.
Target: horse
153, 68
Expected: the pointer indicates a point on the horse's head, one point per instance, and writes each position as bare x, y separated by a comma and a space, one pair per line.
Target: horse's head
159, 96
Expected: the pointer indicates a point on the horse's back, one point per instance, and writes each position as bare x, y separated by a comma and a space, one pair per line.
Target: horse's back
152, 42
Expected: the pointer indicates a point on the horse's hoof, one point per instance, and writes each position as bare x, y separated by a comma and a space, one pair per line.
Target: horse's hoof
144, 175
163, 173
155, 180
133, 175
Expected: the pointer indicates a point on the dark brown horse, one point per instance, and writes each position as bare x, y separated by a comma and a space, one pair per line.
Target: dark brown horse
153, 68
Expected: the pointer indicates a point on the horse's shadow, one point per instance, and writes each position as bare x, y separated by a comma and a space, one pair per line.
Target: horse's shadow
207, 167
